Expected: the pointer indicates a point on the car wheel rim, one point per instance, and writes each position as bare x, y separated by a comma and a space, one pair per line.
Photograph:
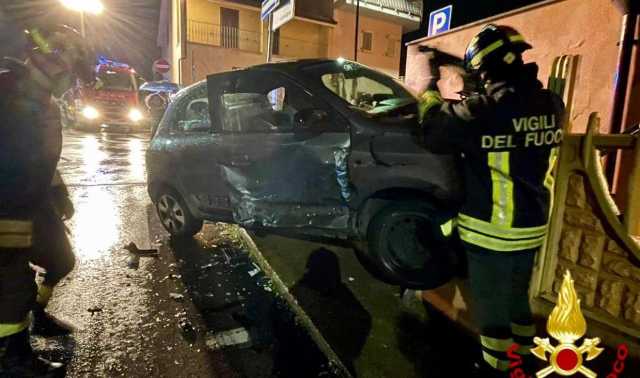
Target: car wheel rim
171, 214
407, 245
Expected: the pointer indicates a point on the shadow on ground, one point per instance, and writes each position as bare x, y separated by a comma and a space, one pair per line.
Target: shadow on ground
231, 292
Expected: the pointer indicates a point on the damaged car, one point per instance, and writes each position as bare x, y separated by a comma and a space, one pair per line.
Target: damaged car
324, 148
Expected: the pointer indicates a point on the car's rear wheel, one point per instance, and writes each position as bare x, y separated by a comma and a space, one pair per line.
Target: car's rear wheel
406, 246
175, 215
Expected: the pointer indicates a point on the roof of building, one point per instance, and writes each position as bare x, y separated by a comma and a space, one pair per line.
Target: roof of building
406, 7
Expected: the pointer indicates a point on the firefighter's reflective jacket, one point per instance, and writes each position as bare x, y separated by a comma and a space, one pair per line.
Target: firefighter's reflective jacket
29, 150
508, 139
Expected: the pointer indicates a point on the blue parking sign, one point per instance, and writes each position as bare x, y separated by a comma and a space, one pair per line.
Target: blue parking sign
440, 20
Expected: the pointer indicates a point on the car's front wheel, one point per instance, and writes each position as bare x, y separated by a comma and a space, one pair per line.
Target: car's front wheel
406, 246
175, 215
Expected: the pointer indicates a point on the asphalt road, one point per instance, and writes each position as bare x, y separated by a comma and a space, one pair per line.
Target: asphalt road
154, 317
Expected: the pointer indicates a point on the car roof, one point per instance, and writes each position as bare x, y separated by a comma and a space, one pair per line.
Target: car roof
290, 67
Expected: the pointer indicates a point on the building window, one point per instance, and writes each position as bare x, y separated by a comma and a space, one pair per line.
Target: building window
229, 24
275, 48
367, 41
391, 46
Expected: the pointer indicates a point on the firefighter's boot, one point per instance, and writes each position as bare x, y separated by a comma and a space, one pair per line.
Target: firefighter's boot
47, 325
18, 360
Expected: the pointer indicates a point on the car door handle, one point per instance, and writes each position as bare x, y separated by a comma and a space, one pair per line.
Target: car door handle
236, 162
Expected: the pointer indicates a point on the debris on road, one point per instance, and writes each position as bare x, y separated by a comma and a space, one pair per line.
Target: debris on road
133, 248
95, 309
133, 262
255, 271
176, 296
236, 338
187, 331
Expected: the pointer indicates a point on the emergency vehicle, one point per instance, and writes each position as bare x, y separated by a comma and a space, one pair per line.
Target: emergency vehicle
112, 101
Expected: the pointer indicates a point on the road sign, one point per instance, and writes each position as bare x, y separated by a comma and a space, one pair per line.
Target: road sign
285, 13
440, 20
161, 66
268, 6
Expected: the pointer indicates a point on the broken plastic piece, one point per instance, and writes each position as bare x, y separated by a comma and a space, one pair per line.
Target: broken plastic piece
236, 338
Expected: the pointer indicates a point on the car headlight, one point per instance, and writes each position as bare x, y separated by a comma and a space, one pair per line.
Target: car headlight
89, 112
135, 115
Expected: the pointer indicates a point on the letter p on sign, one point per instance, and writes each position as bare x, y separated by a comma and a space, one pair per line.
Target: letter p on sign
440, 20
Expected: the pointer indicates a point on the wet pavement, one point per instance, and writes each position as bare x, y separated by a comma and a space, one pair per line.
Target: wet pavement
163, 316
168, 315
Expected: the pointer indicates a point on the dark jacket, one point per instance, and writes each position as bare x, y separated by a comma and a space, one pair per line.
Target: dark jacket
508, 139
30, 142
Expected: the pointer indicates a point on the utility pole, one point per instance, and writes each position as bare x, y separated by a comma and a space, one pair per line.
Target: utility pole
355, 50
83, 26
270, 39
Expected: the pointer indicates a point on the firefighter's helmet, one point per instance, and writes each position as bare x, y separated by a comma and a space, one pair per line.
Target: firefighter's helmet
60, 49
494, 47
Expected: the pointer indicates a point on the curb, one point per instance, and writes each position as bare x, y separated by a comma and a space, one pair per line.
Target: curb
334, 361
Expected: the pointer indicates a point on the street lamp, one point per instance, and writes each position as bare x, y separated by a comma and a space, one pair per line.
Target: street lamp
84, 6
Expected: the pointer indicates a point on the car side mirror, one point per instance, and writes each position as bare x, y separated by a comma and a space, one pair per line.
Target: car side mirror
307, 119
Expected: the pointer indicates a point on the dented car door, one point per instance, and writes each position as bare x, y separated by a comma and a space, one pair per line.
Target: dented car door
280, 151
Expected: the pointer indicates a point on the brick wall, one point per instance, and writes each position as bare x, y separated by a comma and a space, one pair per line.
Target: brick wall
605, 279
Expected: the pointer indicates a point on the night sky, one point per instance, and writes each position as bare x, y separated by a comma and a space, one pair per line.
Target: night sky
126, 31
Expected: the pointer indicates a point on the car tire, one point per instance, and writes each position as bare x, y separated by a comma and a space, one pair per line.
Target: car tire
175, 215
405, 246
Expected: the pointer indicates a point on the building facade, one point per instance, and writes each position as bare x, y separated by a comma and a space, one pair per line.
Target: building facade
201, 37
575, 42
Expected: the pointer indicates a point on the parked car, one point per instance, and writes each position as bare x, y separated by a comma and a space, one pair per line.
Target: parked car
314, 147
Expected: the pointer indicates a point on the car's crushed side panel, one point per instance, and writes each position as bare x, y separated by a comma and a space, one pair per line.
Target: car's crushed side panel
299, 185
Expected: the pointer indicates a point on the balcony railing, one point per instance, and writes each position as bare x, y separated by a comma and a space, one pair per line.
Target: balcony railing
249, 40
223, 36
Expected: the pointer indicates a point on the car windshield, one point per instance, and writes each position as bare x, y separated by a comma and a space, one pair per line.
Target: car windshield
365, 90
116, 81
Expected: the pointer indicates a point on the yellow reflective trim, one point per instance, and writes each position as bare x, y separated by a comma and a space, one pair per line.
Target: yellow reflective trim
15, 233
523, 330
502, 365
500, 231
13, 328
44, 295
516, 38
524, 350
548, 177
495, 244
477, 59
11, 226
498, 345
502, 188
15, 241
447, 228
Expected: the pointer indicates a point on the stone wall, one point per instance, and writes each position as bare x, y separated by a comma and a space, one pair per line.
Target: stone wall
604, 277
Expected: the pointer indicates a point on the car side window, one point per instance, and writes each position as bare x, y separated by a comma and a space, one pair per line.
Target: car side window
264, 104
192, 113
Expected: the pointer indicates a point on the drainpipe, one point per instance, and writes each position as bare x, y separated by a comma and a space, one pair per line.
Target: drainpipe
626, 45
355, 52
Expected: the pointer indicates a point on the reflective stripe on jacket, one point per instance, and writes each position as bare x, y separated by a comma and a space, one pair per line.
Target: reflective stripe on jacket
508, 139
15, 233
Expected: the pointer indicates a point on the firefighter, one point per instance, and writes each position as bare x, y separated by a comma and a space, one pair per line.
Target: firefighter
507, 136
30, 145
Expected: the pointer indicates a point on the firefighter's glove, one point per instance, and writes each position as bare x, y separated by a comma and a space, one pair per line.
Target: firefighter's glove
428, 101
62, 203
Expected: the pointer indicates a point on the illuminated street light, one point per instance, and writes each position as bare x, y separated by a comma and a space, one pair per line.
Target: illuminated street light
84, 6
88, 6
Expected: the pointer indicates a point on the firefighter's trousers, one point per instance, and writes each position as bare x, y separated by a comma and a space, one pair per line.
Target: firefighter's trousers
500, 288
51, 249
17, 290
